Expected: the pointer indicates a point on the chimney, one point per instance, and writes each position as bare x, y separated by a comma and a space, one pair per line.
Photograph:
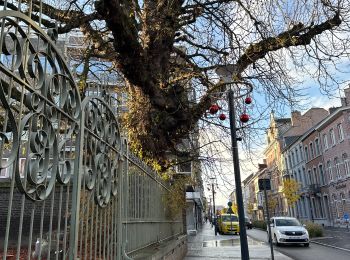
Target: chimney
262, 166
296, 116
343, 101
332, 109
347, 96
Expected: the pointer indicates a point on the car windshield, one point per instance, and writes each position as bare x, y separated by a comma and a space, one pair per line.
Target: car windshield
287, 222
228, 219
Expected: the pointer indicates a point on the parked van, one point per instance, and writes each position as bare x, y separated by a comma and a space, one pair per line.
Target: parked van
228, 224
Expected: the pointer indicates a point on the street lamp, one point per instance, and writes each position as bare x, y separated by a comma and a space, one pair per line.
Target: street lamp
212, 180
225, 73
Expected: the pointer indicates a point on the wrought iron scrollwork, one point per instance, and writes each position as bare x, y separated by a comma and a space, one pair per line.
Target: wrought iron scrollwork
42, 106
43, 115
102, 150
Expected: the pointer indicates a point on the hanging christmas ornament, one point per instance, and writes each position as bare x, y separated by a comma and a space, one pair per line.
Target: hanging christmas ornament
213, 109
248, 100
244, 118
222, 117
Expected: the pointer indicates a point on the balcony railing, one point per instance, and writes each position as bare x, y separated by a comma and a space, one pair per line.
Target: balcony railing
314, 188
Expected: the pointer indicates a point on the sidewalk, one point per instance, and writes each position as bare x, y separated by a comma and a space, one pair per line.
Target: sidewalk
206, 246
335, 237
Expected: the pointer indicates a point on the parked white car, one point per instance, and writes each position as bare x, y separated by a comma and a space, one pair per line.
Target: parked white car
288, 230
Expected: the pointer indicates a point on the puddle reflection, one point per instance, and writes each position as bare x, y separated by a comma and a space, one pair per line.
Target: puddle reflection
229, 242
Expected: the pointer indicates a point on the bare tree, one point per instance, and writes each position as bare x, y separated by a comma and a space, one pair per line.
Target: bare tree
166, 48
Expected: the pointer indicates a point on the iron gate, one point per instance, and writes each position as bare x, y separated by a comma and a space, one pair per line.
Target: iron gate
69, 188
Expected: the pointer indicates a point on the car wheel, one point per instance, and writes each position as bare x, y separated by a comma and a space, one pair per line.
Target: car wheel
306, 244
275, 240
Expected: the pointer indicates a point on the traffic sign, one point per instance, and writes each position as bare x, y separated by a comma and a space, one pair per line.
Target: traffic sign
346, 216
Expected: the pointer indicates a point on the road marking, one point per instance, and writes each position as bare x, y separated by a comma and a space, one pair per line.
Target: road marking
327, 245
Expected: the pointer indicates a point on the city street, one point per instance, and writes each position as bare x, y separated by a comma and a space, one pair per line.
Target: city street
314, 252
206, 246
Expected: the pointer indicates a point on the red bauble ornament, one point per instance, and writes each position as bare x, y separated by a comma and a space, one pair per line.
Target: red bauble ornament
248, 100
213, 109
244, 118
222, 116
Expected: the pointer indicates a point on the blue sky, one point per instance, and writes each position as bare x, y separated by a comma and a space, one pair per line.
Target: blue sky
312, 96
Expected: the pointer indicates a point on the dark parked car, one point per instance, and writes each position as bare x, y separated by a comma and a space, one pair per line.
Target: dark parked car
248, 223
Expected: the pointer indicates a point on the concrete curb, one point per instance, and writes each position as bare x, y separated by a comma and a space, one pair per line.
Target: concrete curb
331, 246
259, 229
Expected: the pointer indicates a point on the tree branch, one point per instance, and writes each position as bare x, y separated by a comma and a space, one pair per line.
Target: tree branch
298, 35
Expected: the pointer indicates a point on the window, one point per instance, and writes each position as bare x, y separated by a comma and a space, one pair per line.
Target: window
322, 179
297, 154
331, 134
296, 177
312, 152
314, 177
340, 132
346, 164
325, 142
337, 168
4, 172
184, 167
293, 159
22, 166
290, 161
342, 198
335, 204
317, 147
320, 203
329, 169
306, 154
301, 152
309, 177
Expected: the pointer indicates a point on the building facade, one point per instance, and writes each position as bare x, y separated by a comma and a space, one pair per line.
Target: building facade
312, 149
274, 162
335, 135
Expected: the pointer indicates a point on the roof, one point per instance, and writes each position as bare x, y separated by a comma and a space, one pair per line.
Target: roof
318, 126
324, 122
283, 120
282, 217
248, 178
290, 139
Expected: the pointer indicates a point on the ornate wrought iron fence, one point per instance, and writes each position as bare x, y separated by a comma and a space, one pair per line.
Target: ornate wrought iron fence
68, 187
146, 221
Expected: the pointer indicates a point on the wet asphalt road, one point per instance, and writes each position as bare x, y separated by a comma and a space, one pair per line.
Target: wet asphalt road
299, 252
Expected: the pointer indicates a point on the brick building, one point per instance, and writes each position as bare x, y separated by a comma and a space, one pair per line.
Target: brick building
335, 135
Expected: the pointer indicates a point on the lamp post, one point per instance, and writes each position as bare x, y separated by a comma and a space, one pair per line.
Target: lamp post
225, 74
212, 179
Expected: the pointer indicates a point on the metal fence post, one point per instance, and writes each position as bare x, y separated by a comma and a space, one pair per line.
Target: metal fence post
74, 221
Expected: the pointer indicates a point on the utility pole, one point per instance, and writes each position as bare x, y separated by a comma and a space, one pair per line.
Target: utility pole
209, 210
268, 221
226, 74
212, 188
239, 196
215, 220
